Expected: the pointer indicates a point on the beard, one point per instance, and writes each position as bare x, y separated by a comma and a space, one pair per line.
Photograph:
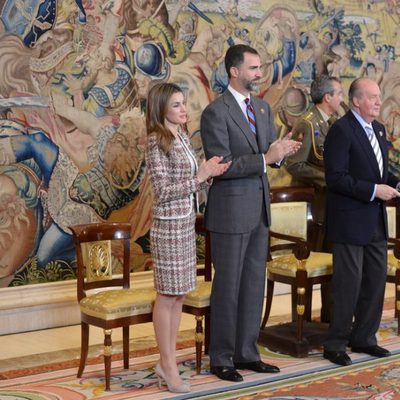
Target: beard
252, 86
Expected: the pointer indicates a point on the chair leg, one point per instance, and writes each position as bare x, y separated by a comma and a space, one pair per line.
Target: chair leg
207, 333
199, 342
268, 304
301, 287
308, 303
84, 347
294, 303
107, 356
397, 305
398, 317
301, 292
125, 345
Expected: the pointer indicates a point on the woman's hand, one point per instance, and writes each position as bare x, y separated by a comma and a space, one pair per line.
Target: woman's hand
212, 167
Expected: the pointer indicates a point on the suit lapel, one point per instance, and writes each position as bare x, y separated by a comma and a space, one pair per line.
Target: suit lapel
364, 142
237, 115
259, 112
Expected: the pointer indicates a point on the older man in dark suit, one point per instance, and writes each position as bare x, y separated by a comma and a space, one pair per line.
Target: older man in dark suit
240, 128
359, 183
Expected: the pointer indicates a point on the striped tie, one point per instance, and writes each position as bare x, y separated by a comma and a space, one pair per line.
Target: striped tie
250, 115
375, 146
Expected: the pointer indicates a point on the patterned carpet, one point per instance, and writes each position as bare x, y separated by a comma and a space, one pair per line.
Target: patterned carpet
308, 378
373, 379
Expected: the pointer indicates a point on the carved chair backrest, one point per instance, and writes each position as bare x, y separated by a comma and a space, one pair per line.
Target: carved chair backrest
96, 245
290, 215
392, 218
206, 268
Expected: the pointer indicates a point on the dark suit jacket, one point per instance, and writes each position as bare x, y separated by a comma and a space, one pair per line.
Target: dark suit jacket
235, 198
351, 170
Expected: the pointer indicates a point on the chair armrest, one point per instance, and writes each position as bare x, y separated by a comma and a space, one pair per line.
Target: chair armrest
300, 248
396, 248
316, 230
284, 236
391, 243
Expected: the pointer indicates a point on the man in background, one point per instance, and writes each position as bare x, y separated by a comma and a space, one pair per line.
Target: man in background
307, 165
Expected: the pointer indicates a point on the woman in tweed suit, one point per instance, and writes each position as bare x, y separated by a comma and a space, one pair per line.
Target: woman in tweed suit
175, 179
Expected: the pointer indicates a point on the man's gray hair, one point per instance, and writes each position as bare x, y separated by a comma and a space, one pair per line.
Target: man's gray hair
321, 86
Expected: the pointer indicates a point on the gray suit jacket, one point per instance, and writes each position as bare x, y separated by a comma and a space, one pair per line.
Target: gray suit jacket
236, 198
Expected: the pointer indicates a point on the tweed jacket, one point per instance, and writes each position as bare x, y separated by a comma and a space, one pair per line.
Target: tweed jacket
174, 185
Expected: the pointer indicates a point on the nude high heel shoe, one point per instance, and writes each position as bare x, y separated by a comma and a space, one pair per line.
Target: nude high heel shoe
184, 387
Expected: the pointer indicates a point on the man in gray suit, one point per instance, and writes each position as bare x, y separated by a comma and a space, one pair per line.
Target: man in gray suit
240, 128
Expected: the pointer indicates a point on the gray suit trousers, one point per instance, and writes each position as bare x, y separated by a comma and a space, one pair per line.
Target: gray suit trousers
237, 294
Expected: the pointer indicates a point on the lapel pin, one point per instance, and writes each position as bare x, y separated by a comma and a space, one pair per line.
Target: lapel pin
380, 133
262, 111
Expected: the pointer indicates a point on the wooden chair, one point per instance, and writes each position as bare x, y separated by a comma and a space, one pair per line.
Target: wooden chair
105, 298
393, 272
291, 259
197, 302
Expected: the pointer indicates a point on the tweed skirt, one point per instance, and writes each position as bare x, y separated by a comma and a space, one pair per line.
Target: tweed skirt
173, 250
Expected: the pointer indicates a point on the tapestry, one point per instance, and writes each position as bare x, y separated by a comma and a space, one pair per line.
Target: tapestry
73, 84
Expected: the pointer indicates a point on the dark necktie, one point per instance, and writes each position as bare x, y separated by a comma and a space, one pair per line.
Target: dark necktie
250, 115
375, 146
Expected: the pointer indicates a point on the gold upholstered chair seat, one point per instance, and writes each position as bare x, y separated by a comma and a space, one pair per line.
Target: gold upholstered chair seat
393, 264
200, 297
118, 303
316, 264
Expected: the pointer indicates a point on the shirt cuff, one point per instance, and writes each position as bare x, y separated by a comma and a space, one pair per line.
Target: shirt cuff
278, 164
374, 193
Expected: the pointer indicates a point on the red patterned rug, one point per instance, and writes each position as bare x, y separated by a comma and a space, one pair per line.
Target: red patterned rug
300, 378
59, 365
372, 380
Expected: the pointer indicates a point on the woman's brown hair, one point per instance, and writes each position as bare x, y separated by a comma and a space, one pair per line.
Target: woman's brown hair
157, 107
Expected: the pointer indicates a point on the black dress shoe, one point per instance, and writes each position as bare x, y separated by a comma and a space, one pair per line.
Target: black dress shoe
374, 351
227, 374
337, 357
257, 366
